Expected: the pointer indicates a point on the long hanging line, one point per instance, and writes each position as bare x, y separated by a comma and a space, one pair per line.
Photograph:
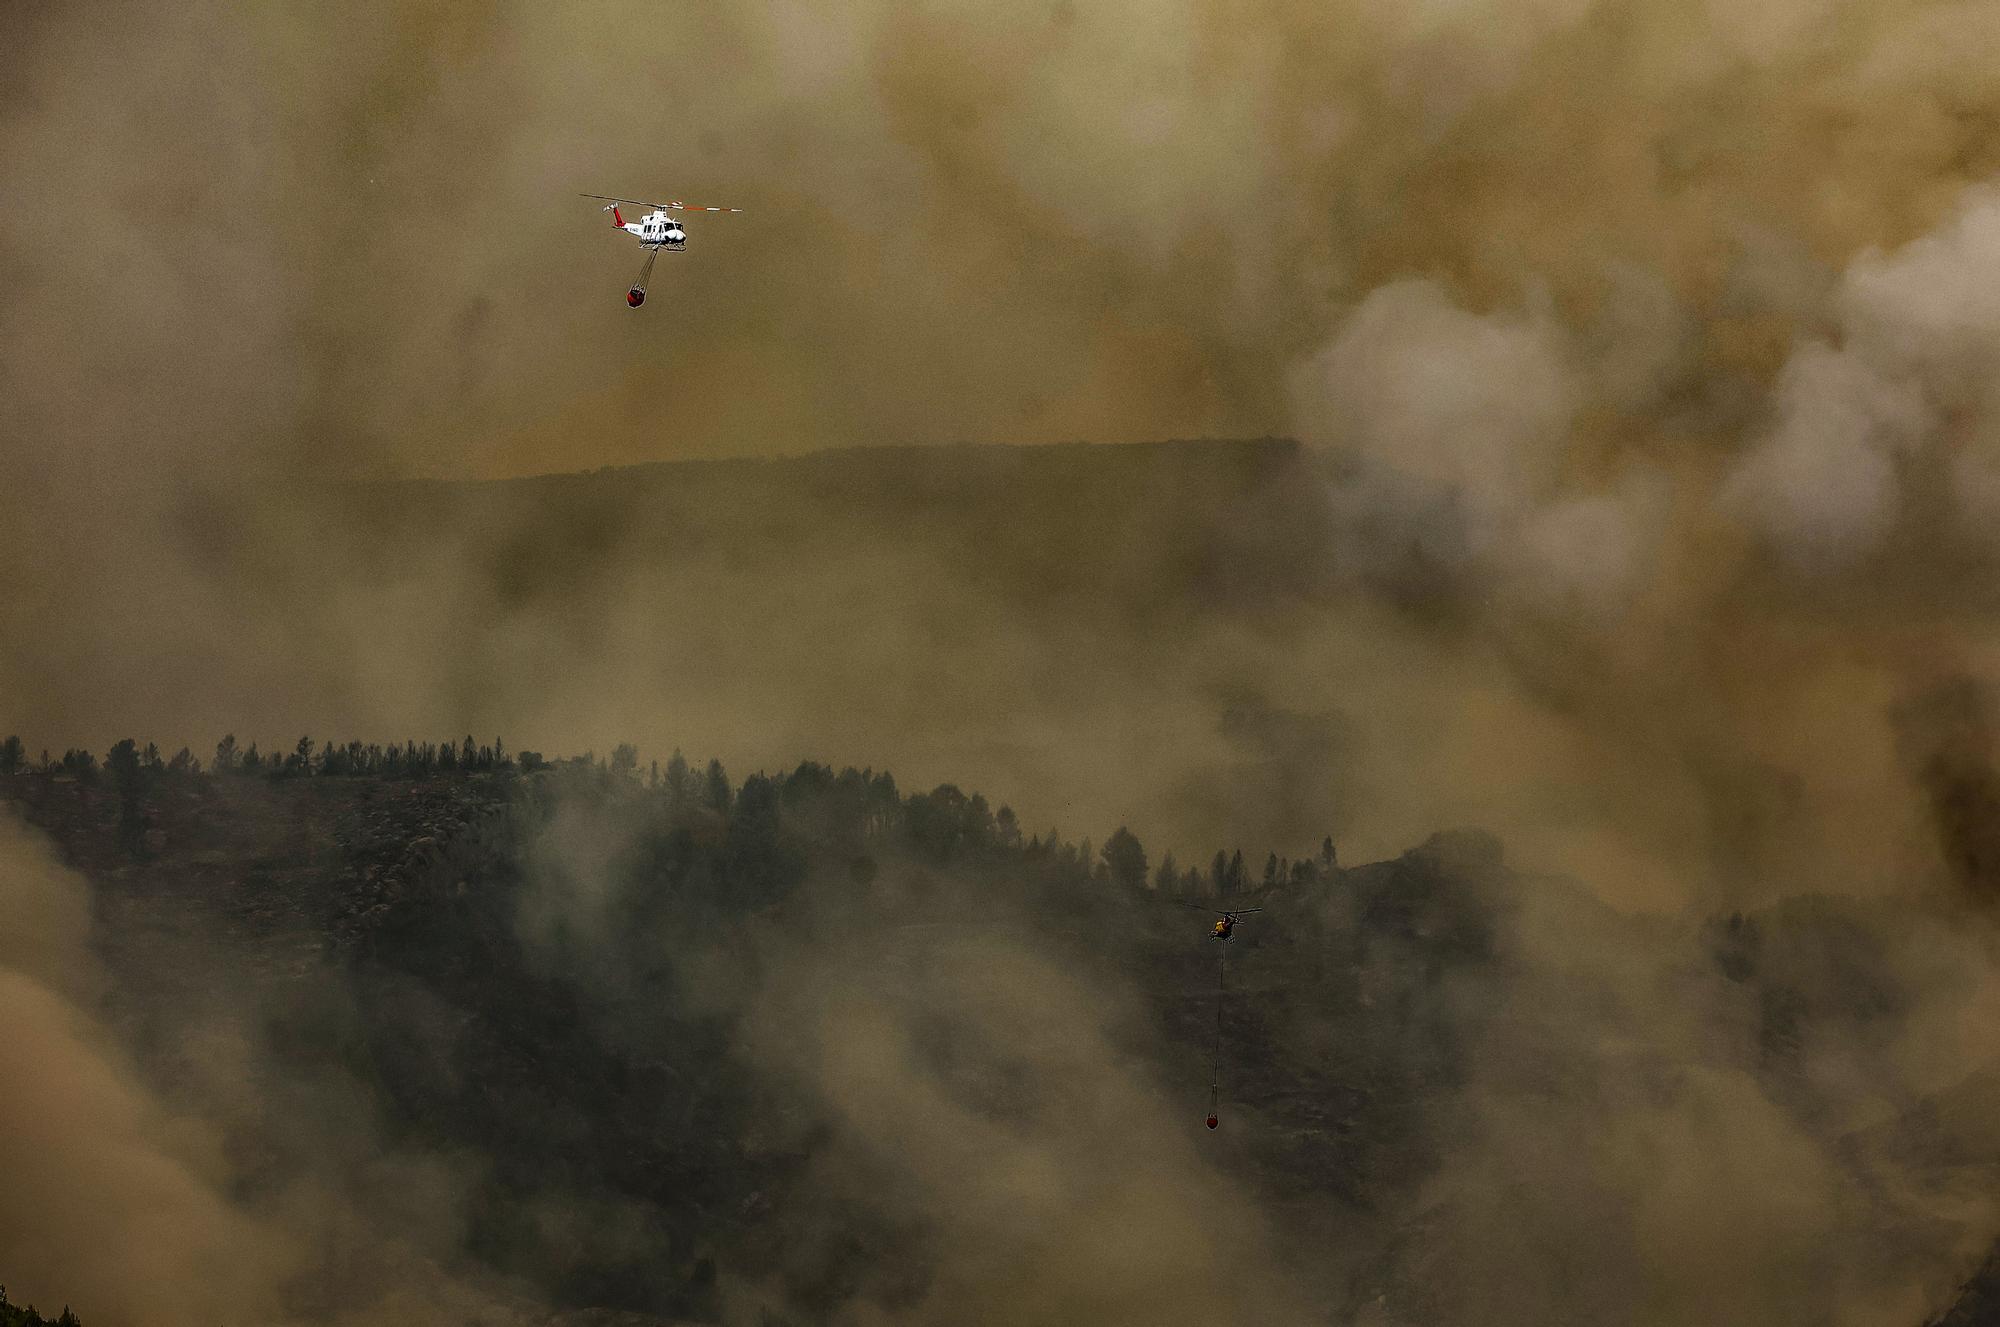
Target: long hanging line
1215, 1059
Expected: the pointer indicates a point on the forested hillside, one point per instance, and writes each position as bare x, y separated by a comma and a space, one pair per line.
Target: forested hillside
599, 1035
24, 1315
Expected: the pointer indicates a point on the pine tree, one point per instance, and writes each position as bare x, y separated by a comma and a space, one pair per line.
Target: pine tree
1125, 859
715, 788
123, 762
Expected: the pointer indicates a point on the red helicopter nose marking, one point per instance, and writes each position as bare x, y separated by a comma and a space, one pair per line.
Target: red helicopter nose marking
1211, 1121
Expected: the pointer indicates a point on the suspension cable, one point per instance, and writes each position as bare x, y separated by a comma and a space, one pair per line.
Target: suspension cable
1215, 1058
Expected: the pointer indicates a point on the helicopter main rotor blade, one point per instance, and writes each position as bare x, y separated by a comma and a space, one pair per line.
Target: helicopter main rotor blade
665, 207
636, 202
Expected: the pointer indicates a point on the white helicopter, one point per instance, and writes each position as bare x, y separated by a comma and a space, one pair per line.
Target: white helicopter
656, 231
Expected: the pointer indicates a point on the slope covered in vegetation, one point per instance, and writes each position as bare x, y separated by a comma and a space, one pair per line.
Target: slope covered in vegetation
645, 1039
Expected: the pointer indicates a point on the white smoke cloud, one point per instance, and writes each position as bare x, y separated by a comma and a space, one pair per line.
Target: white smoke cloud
1823, 483
1910, 376
1463, 425
1477, 407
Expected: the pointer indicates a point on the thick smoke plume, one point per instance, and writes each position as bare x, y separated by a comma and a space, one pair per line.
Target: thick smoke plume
206, 1181
111, 1197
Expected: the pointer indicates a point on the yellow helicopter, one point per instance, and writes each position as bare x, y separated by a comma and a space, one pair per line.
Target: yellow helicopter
1225, 918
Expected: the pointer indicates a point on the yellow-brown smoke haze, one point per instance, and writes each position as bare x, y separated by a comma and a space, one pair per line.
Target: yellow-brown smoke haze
1646, 347
106, 1190
1659, 332
122, 1198
1625, 1154
975, 1082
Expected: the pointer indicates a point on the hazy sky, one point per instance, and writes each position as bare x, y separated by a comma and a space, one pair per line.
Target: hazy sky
350, 236
1657, 333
